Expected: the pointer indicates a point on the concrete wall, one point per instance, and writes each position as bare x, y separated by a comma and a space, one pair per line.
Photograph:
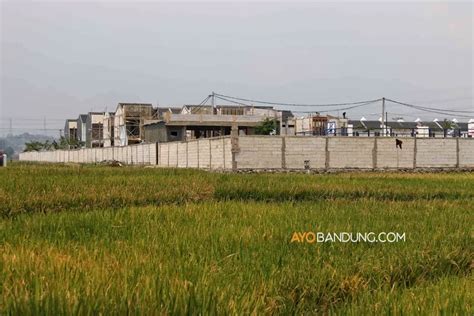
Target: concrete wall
344, 152
301, 149
276, 152
259, 152
143, 154
212, 153
466, 153
291, 152
436, 152
389, 156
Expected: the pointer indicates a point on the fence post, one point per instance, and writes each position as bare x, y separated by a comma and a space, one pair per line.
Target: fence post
283, 152
210, 154
415, 152
187, 155
223, 152
157, 152
457, 152
374, 154
197, 145
234, 144
326, 163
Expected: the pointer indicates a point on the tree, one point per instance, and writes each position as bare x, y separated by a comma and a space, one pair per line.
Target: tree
266, 127
63, 143
447, 124
34, 145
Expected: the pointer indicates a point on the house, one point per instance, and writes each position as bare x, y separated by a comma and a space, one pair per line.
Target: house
94, 129
108, 129
418, 128
81, 128
128, 122
159, 113
70, 130
322, 125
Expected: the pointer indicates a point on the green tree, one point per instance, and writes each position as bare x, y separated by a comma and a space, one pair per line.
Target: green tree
266, 127
34, 146
447, 124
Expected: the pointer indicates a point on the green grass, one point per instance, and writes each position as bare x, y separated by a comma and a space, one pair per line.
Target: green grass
81, 240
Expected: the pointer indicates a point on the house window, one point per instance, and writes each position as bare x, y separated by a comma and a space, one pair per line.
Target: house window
174, 133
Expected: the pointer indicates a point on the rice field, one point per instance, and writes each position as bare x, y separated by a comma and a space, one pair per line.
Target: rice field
93, 239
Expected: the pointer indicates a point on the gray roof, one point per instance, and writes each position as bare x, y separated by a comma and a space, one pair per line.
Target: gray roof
141, 104
404, 125
82, 117
173, 110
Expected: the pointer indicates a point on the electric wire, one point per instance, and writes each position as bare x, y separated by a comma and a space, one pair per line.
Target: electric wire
294, 104
433, 110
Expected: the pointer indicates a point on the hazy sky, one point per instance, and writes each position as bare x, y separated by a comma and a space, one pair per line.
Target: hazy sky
60, 59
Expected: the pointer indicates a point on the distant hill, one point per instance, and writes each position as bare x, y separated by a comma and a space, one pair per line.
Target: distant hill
12, 145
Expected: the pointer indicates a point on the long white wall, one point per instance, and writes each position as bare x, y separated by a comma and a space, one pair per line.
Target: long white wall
135, 154
276, 152
213, 153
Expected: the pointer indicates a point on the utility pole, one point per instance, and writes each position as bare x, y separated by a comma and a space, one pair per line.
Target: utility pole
11, 128
383, 115
386, 122
213, 102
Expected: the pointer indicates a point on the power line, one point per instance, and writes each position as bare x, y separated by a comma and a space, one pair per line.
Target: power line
235, 102
340, 109
30, 119
428, 108
434, 110
294, 104
324, 111
203, 102
28, 128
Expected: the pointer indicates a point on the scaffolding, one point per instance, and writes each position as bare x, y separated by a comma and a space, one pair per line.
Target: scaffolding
129, 121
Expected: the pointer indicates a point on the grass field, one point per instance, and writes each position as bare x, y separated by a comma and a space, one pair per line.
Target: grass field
88, 239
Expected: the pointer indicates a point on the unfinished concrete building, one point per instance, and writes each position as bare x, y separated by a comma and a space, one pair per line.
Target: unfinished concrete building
70, 130
94, 129
108, 129
128, 123
203, 121
81, 129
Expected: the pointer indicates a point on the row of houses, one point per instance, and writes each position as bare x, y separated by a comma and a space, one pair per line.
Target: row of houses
105, 129
335, 126
134, 123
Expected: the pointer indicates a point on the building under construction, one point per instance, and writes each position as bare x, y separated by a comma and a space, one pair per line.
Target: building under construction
128, 120
203, 121
94, 129
70, 130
